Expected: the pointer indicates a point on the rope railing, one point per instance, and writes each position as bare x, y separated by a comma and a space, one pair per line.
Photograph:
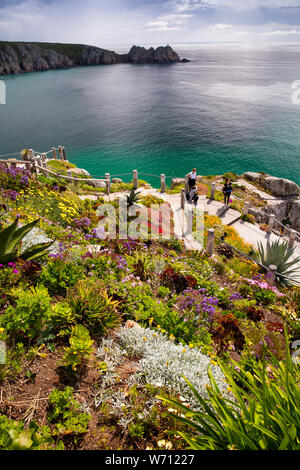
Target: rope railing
10, 155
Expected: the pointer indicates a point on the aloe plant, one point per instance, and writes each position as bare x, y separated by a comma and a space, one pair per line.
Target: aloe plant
281, 255
10, 239
262, 413
133, 197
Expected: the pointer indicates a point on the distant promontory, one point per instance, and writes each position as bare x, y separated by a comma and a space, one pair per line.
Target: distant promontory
20, 57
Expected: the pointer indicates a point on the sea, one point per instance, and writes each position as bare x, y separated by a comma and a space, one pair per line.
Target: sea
233, 107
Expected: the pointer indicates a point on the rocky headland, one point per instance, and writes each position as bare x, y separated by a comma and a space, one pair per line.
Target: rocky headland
20, 57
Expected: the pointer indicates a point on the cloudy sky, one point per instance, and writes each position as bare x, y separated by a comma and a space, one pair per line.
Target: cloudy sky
122, 22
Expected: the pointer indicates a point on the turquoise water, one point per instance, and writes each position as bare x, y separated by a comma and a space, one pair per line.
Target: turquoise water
229, 109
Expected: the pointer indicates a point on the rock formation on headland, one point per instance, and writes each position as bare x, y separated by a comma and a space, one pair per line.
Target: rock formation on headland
20, 57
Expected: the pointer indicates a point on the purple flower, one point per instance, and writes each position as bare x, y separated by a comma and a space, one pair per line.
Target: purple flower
235, 296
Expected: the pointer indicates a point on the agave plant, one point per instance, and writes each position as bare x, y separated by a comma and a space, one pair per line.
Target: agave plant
10, 239
279, 253
133, 197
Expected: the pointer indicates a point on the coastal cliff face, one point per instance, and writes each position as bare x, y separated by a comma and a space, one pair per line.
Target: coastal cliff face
30, 57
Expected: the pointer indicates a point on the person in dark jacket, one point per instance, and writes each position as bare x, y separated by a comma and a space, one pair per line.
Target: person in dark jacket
193, 195
227, 190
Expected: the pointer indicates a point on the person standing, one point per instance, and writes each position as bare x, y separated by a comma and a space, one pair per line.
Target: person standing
193, 195
227, 190
192, 178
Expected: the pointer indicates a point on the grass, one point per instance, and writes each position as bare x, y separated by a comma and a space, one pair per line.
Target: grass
59, 165
71, 50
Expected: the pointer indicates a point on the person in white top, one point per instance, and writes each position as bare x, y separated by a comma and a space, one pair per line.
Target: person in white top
192, 177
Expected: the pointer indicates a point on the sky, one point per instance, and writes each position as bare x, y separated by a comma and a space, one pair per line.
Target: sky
116, 23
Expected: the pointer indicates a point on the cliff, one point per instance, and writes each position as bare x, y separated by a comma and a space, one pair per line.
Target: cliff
20, 57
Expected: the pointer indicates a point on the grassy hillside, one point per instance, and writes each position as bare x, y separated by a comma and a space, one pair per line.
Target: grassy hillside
72, 50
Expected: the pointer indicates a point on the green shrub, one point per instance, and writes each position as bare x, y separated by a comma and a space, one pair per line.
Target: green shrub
9, 277
163, 292
13, 360
173, 243
14, 436
231, 176
265, 296
65, 413
80, 350
150, 200
30, 315
59, 275
92, 306
245, 290
62, 318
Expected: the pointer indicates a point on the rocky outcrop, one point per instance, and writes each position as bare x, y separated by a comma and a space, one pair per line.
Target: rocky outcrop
161, 55
252, 176
280, 186
17, 57
294, 215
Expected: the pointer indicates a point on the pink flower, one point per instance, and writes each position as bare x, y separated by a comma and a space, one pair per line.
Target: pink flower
15, 271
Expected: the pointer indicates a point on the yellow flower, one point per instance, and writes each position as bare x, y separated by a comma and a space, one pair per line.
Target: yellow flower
183, 351
144, 338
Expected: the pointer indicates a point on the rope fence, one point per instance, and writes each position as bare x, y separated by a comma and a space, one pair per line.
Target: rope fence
42, 157
271, 270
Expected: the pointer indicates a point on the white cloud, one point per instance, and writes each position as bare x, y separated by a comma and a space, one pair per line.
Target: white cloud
109, 24
282, 32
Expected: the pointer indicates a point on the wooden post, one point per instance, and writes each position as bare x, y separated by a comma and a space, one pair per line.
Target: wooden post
182, 198
60, 153
54, 153
271, 223
292, 238
44, 163
212, 191
271, 274
210, 241
246, 208
162, 183
135, 179
186, 184
107, 177
64, 154
30, 154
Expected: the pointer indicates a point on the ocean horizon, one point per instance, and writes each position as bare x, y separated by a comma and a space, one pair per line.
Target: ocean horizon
229, 109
